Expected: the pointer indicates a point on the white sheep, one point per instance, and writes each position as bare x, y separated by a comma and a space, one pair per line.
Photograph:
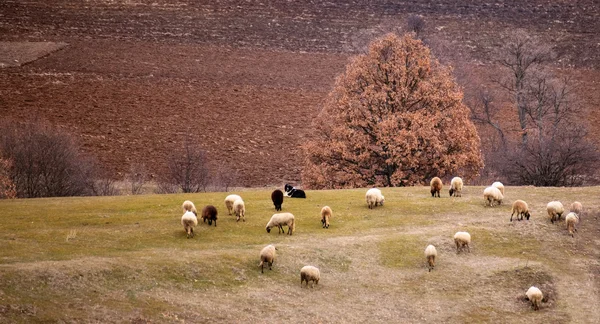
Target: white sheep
520, 207
456, 185
492, 195
189, 220
499, 185
239, 208
374, 197
462, 239
189, 206
430, 254
280, 220
577, 208
267, 254
535, 296
325, 216
555, 210
309, 273
229, 202
572, 219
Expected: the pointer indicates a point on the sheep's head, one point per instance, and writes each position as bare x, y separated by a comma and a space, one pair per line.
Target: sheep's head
268, 229
382, 200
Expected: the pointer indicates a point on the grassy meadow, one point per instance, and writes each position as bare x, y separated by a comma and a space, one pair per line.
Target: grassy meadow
127, 259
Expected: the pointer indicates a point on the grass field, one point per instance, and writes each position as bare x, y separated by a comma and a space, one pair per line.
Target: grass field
127, 259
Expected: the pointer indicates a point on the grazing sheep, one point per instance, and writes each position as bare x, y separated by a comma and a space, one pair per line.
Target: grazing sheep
229, 202
520, 207
189, 206
535, 296
374, 197
239, 208
209, 212
499, 185
462, 239
456, 185
325, 216
577, 208
555, 210
189, 220
267, 254
436, 186
572, 219
292, 192
277, 198
309, 273
491, 195
280, 220
430, 254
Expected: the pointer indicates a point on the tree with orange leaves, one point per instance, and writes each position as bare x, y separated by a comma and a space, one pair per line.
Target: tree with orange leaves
7, 186
394, 118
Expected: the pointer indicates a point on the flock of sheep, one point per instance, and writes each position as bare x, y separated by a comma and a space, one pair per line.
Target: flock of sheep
492, 195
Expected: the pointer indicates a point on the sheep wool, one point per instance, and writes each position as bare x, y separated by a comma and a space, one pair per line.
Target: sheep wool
374, 197
239, 208
229, 202
555, 210
521, 209
430, 254
325, 216
577, 208
267, 254
462, 240
189, 206
277, 198
209, 213
572, 219
491, 195
456, 185
280, 220
309, 273
436, 186
535, 296
189, 220
499, 185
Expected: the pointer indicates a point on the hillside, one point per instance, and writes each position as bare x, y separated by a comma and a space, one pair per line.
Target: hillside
244, 79
127, 259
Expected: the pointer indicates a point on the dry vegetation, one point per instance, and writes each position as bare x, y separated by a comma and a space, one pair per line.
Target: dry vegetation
115, 259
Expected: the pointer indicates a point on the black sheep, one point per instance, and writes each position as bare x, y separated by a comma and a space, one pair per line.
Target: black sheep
209, 212
277, 197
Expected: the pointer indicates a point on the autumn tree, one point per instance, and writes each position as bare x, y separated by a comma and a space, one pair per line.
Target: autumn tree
7, 187
394, 118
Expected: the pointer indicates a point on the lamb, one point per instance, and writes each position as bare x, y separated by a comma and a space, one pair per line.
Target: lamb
209, 212
499, 185
267, 254
555, 210
462, 239
325, 216
309, 273
436, 186
577, 208
572, 219
277, 198
456, 185
374, 197
535, 296
239, 208
520, 207
189, 206
189, 220
492, 195
229, 202
430, 254
280, 220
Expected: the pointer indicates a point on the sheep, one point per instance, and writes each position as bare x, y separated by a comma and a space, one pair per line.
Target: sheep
209, 212
189, 220
189, 206
267, 254
309, 273
499, 185
325, 216
577, 208
436, 186
572, 219
430, 254
462, 239
229, 202
456, 185
520, 207
374, 197
280, 220
535, 296
277, 198
239, 208
491, 195
555, 210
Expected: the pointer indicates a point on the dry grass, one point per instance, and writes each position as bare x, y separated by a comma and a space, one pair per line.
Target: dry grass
128, 259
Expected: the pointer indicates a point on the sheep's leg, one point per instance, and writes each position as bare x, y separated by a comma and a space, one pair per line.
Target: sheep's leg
215, 223
457, 247
468, 248
511, 215
270, 264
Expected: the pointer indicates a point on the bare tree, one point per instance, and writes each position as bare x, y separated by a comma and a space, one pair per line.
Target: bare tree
415, 24
225, 178
187, 169
138, 174
483, 112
